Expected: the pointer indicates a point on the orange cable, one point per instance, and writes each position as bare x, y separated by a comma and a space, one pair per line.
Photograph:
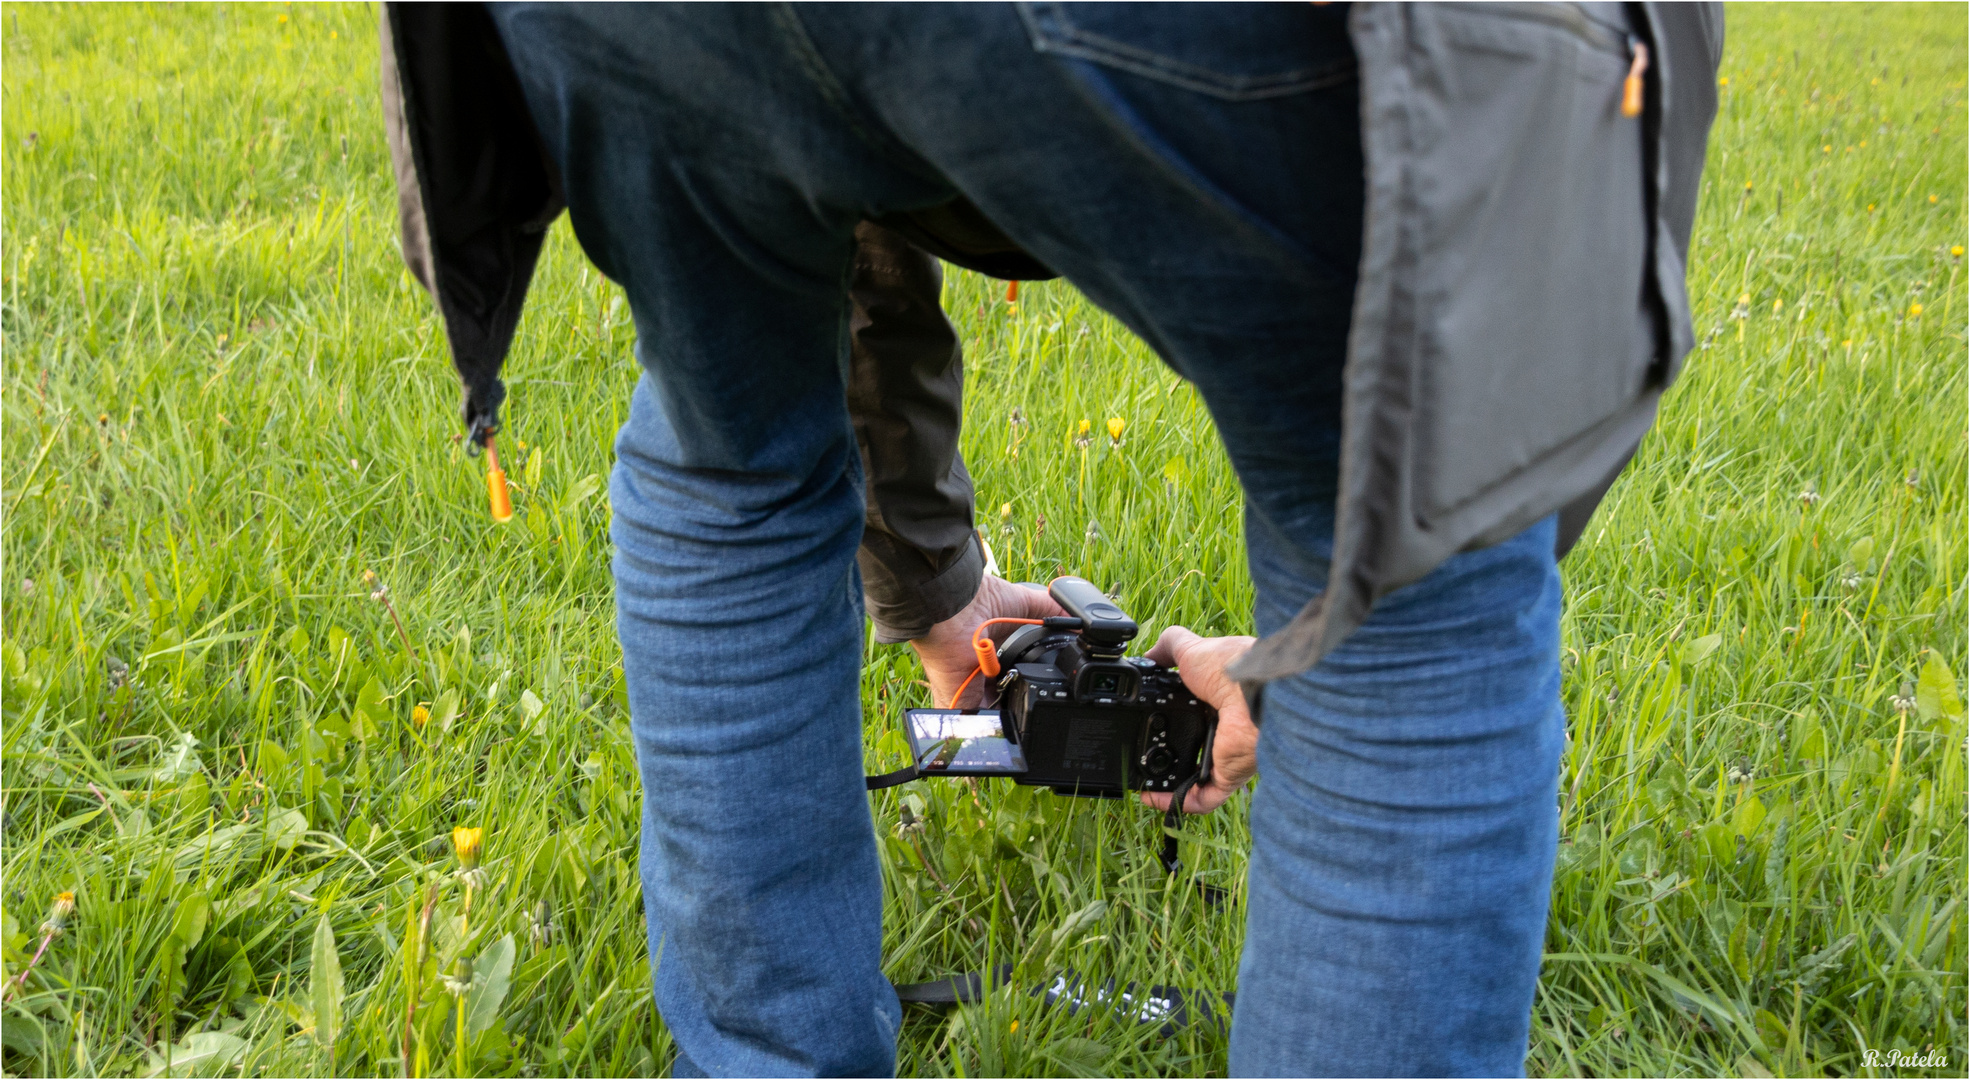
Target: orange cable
987, 654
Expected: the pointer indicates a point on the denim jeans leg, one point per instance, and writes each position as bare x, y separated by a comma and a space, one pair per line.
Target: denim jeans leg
737, 505
1405, 823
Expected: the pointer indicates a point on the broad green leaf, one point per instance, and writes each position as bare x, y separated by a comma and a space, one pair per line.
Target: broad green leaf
446, 711
1697, 651
325, 985
1935, 690
284, 828
272, 761
200, 1052
1861, 551
1750, 814
1174, 470
180, 761
1078, 923
1078, 1057
492, 973
218, 848
194, 912
372, 713
530, 704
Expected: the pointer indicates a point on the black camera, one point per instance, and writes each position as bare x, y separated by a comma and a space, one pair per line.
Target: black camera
1075, 714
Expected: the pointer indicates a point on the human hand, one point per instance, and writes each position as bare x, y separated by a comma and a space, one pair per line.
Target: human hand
946, 650
1234, 752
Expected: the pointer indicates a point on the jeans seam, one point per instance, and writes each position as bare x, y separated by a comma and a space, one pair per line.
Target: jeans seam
1069, 40
808, 56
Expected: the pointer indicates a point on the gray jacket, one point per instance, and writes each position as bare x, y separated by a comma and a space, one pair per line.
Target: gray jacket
1520, 308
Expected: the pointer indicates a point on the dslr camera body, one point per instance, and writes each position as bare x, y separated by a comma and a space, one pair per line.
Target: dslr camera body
1089, 720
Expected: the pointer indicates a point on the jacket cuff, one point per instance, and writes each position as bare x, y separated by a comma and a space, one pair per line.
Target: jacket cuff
905, 596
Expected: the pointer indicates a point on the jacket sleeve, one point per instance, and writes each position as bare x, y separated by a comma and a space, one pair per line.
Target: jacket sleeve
920, 559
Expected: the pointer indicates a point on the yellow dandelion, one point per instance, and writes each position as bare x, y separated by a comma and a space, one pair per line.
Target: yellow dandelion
420, 715
1115, 426
1827, 149
1005, 511
1015, 1026
283, 18
57, 921
1744, 298
1724, 80
1932, 198
1747, 185
1777, 306
1870, 208
1956, 251
1085, 428
465, 842
1914, 309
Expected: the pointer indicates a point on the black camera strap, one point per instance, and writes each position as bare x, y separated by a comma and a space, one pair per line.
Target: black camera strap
1172, 819
892, 779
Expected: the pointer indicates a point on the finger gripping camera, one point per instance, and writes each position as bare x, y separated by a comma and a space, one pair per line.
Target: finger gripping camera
1074, 714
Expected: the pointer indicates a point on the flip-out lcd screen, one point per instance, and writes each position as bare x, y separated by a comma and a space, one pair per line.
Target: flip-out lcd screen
948, 742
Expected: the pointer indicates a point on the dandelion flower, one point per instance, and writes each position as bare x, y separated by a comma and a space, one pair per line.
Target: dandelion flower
1115, 426
465, 842
1956, 251
1932, 198
1827, 149
1847, 343
1005, 511
283, 18
1724, 80
1914, 309
1778, 305
420, 715
1085, 427
58, 913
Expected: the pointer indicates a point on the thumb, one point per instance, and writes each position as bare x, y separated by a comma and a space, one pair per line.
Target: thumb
1171, 645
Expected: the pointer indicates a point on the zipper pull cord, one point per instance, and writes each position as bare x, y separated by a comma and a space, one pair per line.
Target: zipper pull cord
502, 499
1631, 88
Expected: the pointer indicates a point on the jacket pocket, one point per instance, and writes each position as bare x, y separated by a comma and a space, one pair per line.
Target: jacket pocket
1530, 242
1233, 51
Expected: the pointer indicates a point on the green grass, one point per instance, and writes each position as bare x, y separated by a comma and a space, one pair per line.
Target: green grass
224, 402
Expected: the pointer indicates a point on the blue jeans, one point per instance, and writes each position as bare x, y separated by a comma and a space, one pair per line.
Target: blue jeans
1196, 171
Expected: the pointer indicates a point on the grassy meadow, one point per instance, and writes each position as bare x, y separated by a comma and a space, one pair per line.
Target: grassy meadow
264, 650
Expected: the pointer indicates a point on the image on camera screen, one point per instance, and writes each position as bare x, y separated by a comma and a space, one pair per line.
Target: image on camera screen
955, 743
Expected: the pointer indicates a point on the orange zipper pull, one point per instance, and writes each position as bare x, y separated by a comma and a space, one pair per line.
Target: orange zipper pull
502, 499
1012, 292
1631, 88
